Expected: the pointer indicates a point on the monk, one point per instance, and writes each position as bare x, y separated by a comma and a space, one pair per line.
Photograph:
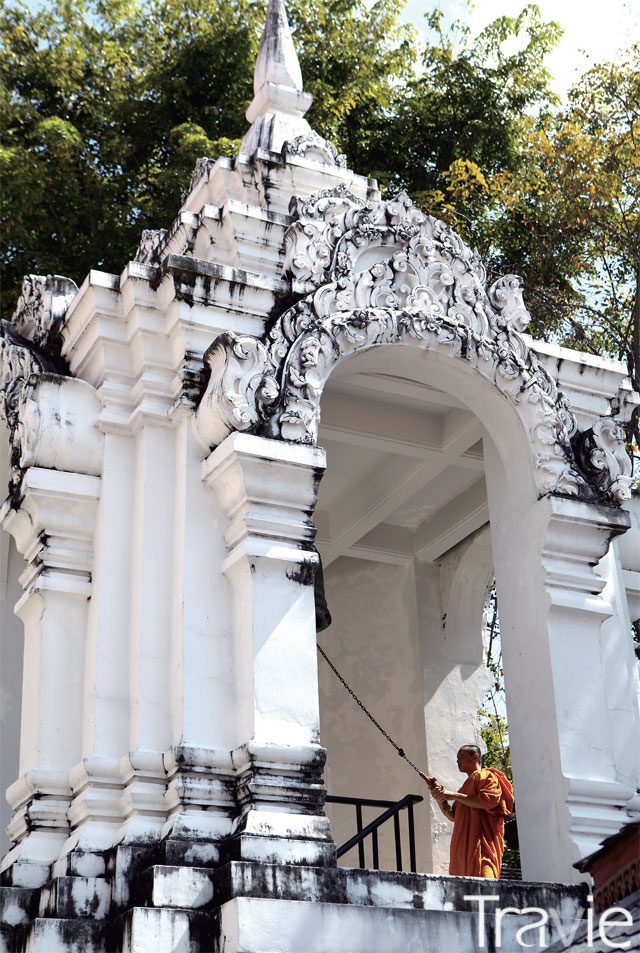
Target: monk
478, 812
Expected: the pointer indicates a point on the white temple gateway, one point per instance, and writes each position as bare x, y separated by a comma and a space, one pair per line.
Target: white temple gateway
163, 453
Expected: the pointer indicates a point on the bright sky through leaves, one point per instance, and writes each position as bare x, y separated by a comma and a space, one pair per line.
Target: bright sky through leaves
593, 31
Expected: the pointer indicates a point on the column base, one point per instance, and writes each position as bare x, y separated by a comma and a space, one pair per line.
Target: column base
273, 838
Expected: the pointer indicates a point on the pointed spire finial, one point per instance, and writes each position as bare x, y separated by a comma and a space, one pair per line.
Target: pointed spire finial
277, 61
279, 103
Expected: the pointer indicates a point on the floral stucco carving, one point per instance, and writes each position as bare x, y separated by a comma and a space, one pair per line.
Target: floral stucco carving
150, 242
202, 169
30, 346
41, 308
315, 147
384, 273
602, 455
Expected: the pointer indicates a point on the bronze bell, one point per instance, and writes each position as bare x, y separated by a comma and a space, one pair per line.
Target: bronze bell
323, 616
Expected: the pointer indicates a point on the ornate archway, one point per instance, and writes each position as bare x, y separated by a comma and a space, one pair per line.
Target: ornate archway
367, 275
372, 274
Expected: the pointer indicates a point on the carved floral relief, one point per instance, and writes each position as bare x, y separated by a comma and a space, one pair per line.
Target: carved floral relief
384, 273
29, 346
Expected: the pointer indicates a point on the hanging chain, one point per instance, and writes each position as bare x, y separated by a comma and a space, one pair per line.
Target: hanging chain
370, 716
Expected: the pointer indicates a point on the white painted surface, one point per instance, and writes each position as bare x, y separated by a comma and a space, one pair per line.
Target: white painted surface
375, 644
171, 685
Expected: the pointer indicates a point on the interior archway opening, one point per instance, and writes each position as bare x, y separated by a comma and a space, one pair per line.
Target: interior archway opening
404, 533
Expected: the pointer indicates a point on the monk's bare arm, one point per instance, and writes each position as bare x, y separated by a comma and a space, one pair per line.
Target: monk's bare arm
469, 800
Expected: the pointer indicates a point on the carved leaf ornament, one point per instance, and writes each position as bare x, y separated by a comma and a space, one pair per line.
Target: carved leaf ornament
368, 274
29, 347
382, 273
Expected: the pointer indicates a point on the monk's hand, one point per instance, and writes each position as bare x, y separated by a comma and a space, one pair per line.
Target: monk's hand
432, 783
441, 795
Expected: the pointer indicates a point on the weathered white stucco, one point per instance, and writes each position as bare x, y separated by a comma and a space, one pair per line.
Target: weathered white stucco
297, 366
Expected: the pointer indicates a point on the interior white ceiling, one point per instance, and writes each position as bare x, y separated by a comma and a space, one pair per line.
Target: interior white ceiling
405, 469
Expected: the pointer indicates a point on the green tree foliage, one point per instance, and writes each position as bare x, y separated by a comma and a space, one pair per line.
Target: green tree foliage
559, 204
107, 104
549, 192
465, 103
354, 60
569, 215
494, 728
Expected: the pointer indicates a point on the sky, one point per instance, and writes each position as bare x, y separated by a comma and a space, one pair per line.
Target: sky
593, 31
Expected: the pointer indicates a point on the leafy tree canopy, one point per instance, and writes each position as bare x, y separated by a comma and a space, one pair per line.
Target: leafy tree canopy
106, 105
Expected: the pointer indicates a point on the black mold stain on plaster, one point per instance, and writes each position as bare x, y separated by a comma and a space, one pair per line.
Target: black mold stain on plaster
283, 302
305, 574
15, 495
48, 357
196, 281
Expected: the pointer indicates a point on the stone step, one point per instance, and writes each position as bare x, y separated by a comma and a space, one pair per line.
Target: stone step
68, 897
18, 907
199, 887
153, 930
258, 925
61, 936
245, 907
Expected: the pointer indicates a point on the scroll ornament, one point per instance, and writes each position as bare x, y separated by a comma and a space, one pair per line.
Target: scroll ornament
315, 147
150, 244
375, 273
602, 455
30, 345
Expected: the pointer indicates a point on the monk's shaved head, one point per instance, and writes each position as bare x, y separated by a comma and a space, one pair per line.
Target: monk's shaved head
473, 748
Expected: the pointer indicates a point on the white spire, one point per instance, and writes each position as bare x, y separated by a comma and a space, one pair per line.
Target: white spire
277, 61
279, 102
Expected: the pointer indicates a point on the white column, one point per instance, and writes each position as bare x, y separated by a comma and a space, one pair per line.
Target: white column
451, 602
53, 529
97, 811
620, 570
200, 797
570, 793
578, 534
153, 569
268, 490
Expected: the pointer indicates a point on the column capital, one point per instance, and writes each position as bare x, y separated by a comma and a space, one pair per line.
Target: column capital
578, 534
267, 488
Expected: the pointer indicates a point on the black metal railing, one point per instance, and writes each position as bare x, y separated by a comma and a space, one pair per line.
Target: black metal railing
392, 813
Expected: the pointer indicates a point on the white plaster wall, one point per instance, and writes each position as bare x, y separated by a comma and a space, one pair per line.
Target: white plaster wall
620, 567
451, 602
11, 656
374, 643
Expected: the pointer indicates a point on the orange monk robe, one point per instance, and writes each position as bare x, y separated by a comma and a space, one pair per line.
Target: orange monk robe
477, 843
